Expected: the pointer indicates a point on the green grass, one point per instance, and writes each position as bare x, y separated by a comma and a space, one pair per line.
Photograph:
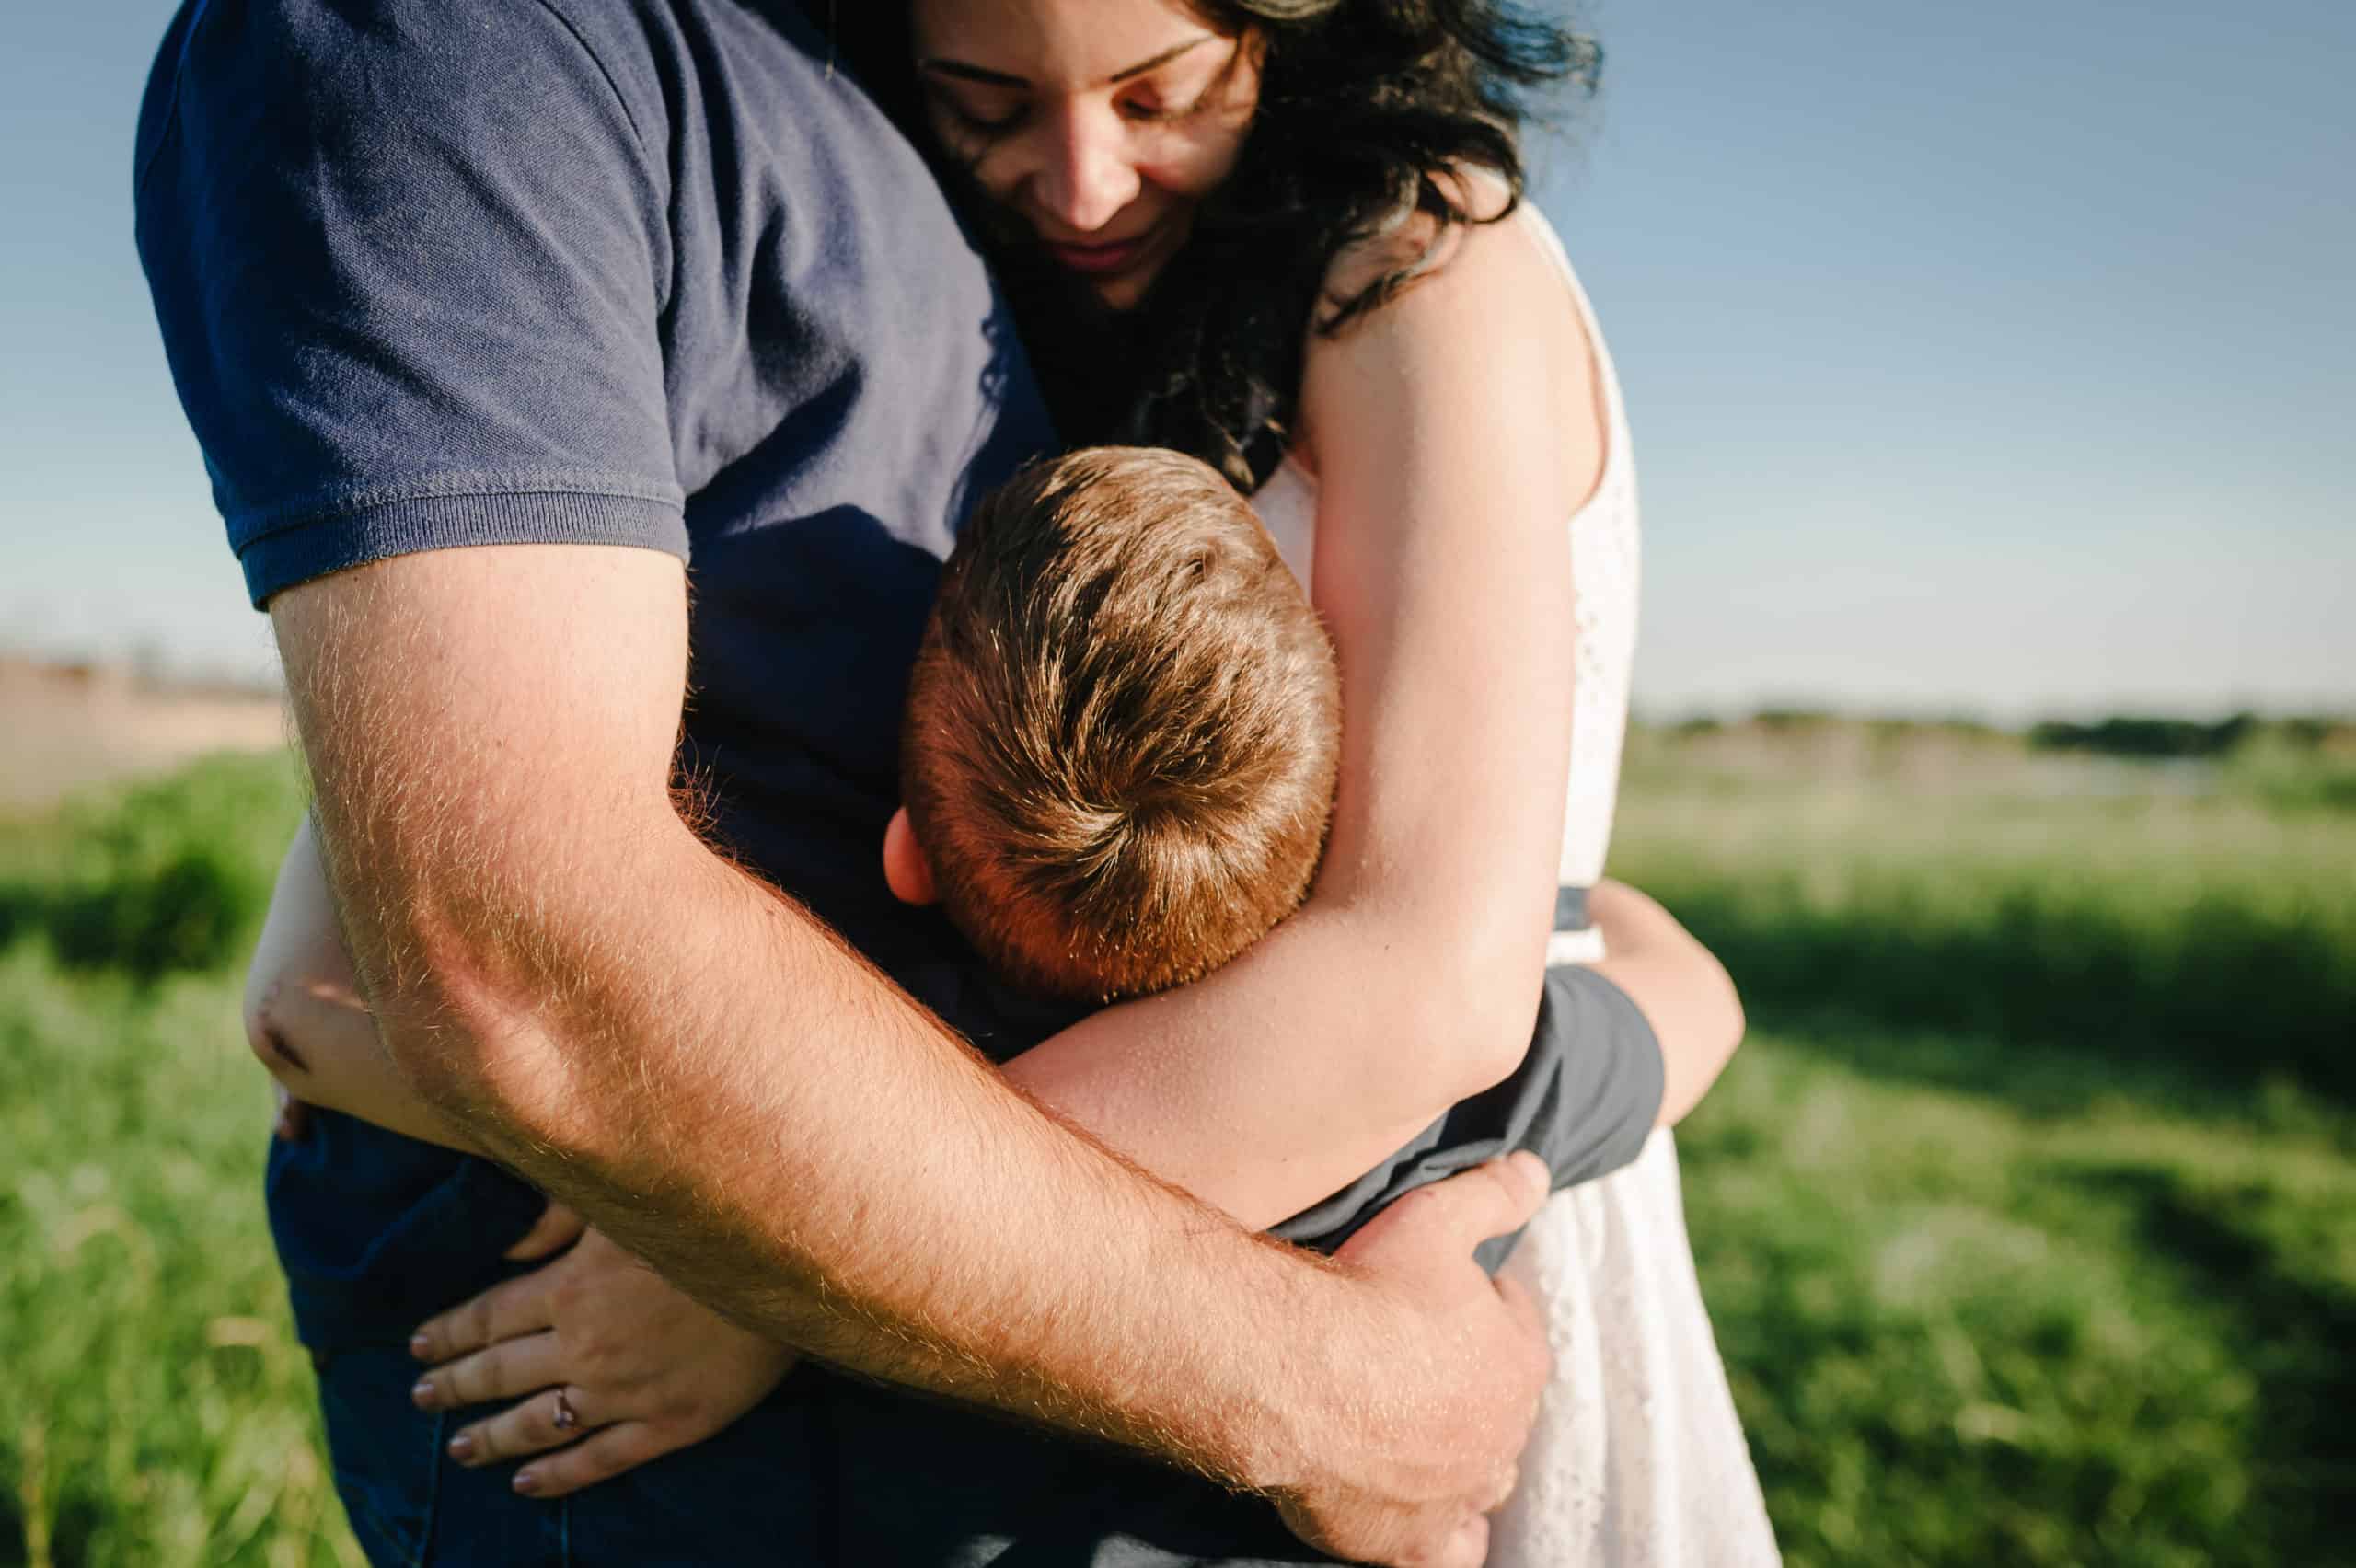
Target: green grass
155, 878
1963, 1330
2024, 1217
2027, 1214
156, 1409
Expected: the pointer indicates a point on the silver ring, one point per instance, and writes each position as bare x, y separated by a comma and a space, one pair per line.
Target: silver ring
566, 1417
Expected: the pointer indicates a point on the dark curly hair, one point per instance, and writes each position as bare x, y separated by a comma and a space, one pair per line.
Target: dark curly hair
1365, 106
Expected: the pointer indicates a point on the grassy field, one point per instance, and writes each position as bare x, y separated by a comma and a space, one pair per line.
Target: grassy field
2027, 1214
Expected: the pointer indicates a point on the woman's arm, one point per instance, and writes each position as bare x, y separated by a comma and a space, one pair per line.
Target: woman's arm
304, 1016
1454, 433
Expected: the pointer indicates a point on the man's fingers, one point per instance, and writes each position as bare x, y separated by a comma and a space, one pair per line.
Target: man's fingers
547, 1420
602, 1456
507, 1370
504, 1313
1521, 1304
1467, 1548
1466, 1209
1501, 1491
557, 1227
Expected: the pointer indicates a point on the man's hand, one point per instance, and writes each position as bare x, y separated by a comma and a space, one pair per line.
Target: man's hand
1444, 1409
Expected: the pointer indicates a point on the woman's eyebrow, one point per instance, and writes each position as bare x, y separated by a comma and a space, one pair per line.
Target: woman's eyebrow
1164, 58
967, 72
963, 72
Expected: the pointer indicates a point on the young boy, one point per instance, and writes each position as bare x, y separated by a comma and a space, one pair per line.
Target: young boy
1118, 760
1118, 765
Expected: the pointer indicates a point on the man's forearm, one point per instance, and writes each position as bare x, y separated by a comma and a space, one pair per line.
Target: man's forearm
780, 1130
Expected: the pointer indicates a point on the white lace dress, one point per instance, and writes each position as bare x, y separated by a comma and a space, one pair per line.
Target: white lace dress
1638, 1457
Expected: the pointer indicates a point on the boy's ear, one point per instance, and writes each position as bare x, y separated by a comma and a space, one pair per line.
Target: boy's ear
906, 870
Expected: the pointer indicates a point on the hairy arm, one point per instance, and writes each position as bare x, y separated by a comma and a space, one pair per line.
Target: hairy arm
1453, 433
308, 1027
583, 989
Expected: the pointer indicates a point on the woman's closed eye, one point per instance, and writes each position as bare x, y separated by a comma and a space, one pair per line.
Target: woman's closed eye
1001, 119
1151, 109
1001, 113
1185, 88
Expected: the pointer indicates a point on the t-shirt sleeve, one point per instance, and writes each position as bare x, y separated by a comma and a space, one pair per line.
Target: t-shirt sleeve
1584, 1099
409, 257
1593, 1080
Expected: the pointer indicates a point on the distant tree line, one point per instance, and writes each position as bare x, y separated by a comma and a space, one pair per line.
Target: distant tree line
2141, 736
2123, 736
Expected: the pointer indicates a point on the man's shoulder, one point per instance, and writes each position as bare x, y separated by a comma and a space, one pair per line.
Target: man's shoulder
383, 53
345, 77
329, 31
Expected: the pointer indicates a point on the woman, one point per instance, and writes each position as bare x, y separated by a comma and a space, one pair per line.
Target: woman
1255, 232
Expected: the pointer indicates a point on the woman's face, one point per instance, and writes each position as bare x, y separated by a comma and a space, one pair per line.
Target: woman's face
1097, 125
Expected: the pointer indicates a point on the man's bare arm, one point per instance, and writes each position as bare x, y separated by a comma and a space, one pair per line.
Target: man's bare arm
702, 1070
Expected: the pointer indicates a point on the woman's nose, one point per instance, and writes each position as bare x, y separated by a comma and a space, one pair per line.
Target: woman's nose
1088, 175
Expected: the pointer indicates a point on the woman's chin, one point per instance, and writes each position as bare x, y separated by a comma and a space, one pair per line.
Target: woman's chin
1120, 294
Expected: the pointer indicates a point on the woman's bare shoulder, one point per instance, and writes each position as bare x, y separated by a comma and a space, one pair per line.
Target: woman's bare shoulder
1417, 243
1486, 315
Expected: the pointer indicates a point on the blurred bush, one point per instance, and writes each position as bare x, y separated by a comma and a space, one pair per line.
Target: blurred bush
2122, 735
2235, 990
155, 878
1933, 878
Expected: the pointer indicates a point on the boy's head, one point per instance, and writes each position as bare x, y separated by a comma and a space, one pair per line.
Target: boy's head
1122, 729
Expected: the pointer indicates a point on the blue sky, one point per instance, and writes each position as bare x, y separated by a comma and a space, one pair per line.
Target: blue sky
1993, 357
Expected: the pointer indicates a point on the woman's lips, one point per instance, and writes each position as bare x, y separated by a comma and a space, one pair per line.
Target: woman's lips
1111, 257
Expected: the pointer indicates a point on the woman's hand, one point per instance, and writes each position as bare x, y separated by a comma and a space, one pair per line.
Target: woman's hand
604, 1355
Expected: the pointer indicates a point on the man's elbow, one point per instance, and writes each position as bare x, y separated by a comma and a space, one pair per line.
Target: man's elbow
475, 1037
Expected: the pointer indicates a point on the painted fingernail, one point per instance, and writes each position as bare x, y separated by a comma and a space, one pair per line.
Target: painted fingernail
462, 1447
419, 1345
526, 1482
421, 1390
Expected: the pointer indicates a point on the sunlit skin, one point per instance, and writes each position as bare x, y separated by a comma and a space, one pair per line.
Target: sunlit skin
1097, 125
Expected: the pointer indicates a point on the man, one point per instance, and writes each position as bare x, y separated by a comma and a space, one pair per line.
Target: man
488, 316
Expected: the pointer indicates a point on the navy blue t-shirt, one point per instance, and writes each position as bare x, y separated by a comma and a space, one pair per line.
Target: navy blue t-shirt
434, 273
441, 273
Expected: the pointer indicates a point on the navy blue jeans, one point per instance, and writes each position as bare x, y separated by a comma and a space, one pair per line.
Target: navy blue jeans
826, 1472
753, 1496
378, 1233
